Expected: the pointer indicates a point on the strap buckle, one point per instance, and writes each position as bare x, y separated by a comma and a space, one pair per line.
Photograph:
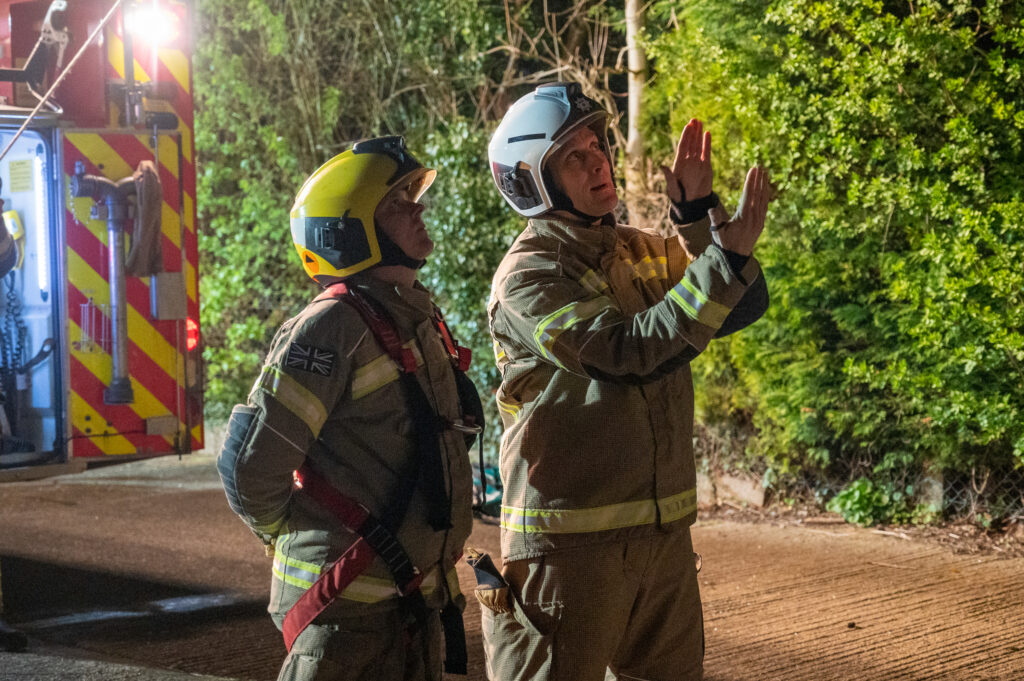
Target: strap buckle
462, 426
412, 585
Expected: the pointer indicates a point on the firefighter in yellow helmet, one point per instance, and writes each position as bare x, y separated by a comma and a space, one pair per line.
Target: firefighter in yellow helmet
363, 401
594, 325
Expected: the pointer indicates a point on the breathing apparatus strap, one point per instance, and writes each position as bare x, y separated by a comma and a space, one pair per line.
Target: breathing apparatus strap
426, 423
377, 537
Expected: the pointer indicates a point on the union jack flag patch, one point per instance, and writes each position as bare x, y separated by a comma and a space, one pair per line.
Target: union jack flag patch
311, 359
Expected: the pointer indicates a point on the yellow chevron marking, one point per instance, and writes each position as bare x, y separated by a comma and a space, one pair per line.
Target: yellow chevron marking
168, 150
197, 432
115, 55
95, 148
170, 224
186, 143
190, 281
190, 211
177, 63
111, 444
140, 330
100, 366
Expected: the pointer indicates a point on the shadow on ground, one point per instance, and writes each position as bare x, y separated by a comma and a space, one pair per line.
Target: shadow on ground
169, 626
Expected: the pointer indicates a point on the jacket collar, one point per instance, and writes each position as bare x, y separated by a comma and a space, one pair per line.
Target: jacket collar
586, 239
402, 302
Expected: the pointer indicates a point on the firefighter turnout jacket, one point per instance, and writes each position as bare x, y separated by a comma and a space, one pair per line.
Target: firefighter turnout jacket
330, 396
594, 328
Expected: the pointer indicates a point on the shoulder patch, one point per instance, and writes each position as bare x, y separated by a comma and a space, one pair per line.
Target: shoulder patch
310, 358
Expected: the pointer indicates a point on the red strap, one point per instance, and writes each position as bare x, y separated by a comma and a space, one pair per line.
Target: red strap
465, 358
460, 356
332, 582
382, 327
343, 571
350, 512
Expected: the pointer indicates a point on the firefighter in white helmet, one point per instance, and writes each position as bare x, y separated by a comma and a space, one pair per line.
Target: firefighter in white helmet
594, 325
363, 400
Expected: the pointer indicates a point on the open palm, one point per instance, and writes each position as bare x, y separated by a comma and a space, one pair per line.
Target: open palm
691, 168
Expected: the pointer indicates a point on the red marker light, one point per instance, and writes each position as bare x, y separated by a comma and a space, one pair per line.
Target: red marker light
191, 334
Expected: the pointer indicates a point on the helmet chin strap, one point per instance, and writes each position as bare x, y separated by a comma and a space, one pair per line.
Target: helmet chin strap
391, 254
560, 201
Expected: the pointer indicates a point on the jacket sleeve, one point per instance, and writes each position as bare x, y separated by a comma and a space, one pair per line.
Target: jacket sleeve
566, 324
748, 310
304, 376
696, 239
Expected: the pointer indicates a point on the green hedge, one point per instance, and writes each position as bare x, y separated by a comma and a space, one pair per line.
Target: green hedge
894, 251
893, 132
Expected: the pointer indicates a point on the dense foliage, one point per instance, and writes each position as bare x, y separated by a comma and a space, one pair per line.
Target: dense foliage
284, 85
894, 133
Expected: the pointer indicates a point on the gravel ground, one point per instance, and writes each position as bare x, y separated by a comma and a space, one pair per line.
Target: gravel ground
142, 569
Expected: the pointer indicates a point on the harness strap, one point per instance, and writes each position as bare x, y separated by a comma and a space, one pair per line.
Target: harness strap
461, 356
374, 540
426, 423
358, 518
381, 326
376, 536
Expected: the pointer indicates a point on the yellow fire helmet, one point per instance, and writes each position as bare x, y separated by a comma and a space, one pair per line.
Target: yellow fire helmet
332, 218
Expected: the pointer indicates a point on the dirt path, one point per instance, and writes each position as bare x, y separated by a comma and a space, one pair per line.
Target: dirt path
146, 564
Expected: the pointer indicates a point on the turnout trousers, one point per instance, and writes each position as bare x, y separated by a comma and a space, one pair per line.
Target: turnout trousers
619, 610
388, 646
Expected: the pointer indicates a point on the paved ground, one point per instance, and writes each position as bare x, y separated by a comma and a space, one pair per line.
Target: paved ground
144, 566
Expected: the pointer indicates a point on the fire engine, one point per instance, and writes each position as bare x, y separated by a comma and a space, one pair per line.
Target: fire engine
101, 352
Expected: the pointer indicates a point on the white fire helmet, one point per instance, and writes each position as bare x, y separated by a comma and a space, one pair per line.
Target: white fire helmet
533, 128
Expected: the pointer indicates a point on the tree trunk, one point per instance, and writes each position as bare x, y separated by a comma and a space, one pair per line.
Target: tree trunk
636, 177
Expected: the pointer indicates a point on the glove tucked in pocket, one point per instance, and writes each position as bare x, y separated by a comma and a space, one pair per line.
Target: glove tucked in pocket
491, 588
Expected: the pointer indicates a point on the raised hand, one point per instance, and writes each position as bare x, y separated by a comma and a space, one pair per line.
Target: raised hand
741, 233
691, 168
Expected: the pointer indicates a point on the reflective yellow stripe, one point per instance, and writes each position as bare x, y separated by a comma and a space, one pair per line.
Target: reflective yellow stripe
373, 375
369, 590
697, 305
593, 282
379, 372
454, 588
363, 589
552, 326
294, 572
499, 353
650, 268
512, 410
611, 517
293, 397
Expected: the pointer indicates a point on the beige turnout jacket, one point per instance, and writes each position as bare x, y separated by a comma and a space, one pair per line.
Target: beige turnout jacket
330, 394
594, 328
